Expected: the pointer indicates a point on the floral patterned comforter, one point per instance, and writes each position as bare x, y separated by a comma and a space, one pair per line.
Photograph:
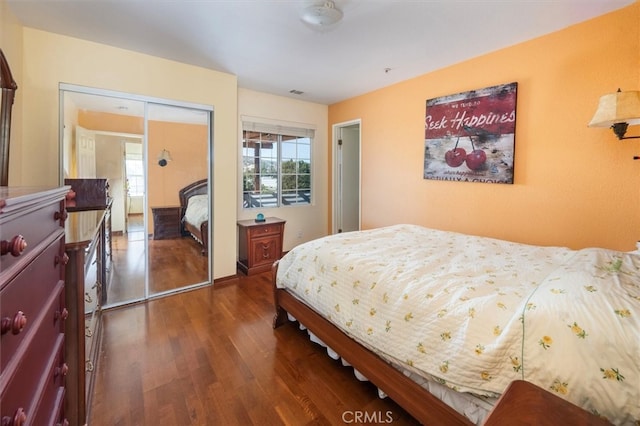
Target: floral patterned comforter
477, 313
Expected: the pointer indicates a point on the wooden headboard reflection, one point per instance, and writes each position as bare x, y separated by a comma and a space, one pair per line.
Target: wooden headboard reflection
9, 87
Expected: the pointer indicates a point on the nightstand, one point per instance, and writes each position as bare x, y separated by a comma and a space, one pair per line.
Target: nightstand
166, 222
260, 244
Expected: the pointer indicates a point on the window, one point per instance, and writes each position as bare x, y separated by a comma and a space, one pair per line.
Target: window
135, 174
276, 166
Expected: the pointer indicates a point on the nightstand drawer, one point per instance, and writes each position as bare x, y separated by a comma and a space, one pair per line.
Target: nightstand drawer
265, 230
265, 251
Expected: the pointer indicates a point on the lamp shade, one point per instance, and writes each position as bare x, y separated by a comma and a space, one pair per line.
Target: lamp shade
164, 157
619, 107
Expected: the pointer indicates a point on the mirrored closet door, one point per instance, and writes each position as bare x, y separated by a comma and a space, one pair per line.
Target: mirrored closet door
155, 158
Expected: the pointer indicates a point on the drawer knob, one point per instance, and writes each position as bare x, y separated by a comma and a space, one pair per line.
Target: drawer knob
64, 314
19, 418
14, 325
16, 246
64, 259
61, 216
265, 251
61, 371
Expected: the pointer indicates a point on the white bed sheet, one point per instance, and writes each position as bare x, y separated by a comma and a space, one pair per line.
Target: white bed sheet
197, 211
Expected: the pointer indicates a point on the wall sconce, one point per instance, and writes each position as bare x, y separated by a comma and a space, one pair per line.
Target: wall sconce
164, 157
617, 111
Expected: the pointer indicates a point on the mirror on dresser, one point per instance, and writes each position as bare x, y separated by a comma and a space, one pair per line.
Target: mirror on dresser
8, 87
128, 159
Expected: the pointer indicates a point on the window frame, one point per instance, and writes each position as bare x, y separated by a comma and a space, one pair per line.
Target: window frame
280, 137
129, 175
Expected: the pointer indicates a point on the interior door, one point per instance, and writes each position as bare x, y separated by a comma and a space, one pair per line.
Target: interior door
347, 178
85, 153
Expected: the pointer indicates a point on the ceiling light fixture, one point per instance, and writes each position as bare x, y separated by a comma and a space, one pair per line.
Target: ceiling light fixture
322, 15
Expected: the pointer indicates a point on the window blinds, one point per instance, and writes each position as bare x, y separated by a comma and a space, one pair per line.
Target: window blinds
278, 129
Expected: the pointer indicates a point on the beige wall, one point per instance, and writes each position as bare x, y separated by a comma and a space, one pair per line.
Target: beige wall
49, 59
304, 223
574, 185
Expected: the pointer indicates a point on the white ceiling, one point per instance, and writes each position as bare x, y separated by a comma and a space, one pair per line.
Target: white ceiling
269, 48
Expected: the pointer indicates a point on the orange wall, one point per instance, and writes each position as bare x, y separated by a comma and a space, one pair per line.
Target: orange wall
574, 186
187, 143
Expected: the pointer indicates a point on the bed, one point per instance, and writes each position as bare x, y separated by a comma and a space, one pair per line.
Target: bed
443, 322
194, 212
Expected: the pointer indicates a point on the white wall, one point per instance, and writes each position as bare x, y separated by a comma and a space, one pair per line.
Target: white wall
304, 223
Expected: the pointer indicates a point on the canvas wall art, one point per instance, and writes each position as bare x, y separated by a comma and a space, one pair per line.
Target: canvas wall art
470, 136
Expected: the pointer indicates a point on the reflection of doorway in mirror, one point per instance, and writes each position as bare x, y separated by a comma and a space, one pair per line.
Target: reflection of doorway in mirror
110, 150
85, 153
134, 189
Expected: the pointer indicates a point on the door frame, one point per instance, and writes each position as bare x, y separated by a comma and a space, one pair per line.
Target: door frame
335, 188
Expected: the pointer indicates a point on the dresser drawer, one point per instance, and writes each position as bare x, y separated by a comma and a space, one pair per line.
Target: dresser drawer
35, 227
24, 382
28, 293
50, 406
264, 230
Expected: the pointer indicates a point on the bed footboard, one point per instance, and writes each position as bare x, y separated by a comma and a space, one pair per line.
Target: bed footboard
416, 400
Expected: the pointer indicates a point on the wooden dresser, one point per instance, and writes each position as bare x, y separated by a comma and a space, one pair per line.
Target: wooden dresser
88, 272
32, 306
259, 244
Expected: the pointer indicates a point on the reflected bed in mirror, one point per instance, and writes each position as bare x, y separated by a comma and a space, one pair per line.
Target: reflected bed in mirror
194, 212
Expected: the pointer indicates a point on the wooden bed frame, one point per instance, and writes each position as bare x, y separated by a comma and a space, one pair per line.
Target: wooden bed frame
200, 235
523, 403
415, 399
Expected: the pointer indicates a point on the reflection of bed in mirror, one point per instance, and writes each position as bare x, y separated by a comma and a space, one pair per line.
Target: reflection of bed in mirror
194, 212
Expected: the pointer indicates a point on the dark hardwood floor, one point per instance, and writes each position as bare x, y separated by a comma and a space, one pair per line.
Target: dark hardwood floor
173, 263
211, 357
